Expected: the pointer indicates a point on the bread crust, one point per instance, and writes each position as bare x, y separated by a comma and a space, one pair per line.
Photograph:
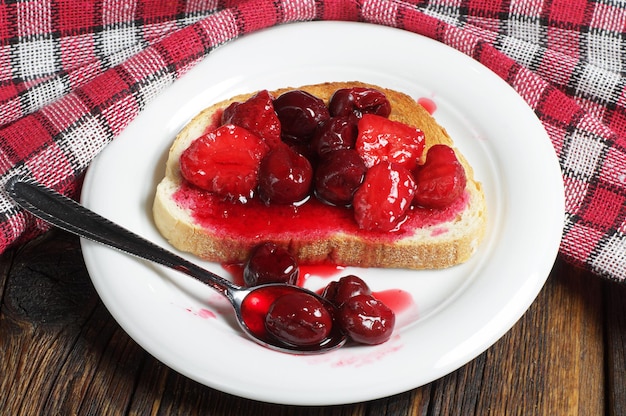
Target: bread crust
424, 249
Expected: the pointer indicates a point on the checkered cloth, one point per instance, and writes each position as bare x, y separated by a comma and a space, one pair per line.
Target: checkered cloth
74, 73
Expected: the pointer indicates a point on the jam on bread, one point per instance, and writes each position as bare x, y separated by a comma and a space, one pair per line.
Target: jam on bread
341, 172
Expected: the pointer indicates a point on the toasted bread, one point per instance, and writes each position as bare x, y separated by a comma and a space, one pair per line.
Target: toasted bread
432, 244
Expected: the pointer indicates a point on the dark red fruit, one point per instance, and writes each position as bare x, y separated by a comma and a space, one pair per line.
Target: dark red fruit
270, 263
366, 319
285, 176
345, 288
299, 113
336, 133
359, 101
256, 115
299, 319
383, 139
380, 204
338, 175
225, 161
441, 180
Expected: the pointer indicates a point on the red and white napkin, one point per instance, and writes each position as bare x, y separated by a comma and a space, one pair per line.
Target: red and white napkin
74, 73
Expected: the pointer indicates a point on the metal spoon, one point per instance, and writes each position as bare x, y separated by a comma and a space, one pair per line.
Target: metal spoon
68, 215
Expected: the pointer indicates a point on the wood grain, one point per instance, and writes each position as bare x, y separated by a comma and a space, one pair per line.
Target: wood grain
62, 353
615, 328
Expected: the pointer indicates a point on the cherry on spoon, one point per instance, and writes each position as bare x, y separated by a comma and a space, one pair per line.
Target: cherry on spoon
251, 305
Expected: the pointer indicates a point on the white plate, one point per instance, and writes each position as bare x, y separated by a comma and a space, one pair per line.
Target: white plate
460, 311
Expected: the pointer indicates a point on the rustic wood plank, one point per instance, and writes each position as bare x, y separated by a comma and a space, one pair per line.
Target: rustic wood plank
577, 335
616, 347
5, 269
574, 331
46, 297
179, 395
457, 393
412, 403
103, 365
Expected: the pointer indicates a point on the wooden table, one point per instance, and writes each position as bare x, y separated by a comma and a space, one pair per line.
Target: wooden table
61, 353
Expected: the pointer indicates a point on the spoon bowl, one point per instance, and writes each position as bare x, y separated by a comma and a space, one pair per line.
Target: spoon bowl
251, 304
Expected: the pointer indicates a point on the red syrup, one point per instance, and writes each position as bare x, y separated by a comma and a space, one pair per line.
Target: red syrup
397, 300
206, 314
428, 104
309, 222
235, 270
325, 270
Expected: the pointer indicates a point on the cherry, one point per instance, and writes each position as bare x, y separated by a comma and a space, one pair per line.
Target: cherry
270, 263
338, 175
381, 139
441, 180
225, 162
359, 101
381, 202
299, 319
285, 176
367, 320
256, 115
345, 288
335, 133
299, 113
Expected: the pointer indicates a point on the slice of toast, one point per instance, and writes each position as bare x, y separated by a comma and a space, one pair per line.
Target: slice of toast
198, 222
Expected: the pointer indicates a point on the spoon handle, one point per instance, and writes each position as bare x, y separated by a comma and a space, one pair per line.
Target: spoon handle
70, 216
